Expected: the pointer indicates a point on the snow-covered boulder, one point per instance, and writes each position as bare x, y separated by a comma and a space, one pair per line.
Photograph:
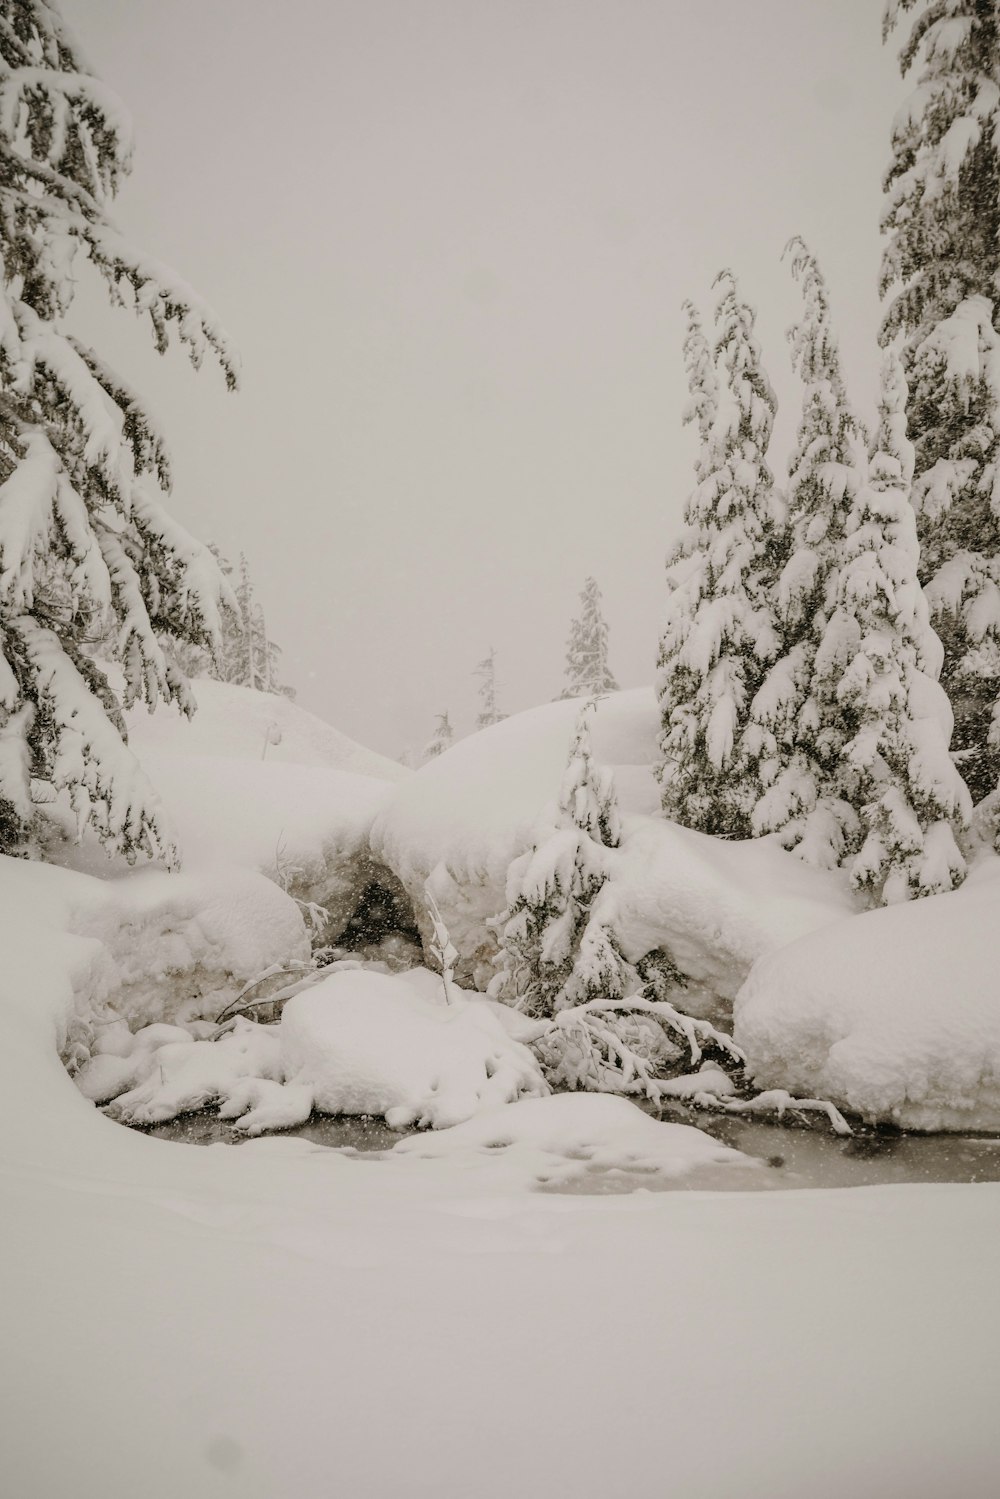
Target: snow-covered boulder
893, 1015
254, 781
160, 945
367, 1043
461, 819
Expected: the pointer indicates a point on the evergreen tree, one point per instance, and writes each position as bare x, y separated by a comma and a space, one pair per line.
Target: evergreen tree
587, 670
85, 540
555, 950
441, 739
940, 274
246, 657
797, 713
896, 769
721, 633
486, 671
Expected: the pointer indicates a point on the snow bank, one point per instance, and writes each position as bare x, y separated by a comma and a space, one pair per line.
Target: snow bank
237, 723
160, 945
301, 815
894, 1015
462, 818
567, 1136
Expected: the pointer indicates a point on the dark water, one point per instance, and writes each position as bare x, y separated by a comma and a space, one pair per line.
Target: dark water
792, 1157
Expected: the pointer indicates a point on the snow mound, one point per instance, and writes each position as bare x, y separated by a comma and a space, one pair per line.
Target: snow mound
894, 1015
164, 944
570, 1135
367, 1043
461, 819
237, 723
301, 815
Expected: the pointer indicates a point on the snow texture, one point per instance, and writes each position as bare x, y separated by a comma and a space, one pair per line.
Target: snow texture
567, 1136
893, 1015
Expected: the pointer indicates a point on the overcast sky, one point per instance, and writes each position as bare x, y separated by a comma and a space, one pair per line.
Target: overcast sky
451, 239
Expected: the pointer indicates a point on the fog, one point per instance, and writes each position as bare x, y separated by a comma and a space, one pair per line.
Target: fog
451, 239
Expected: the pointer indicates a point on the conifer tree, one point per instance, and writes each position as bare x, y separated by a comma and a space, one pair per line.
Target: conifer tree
801, 727
721, 633
940, 275
554, 954
247, 656
442, 738
85, 540
486, 671
896, 769
587, 670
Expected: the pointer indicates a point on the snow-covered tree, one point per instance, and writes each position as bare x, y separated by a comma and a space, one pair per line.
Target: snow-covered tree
851, 717
797, 712
553, 953
247, 656
486, 671
940, 275
442, 738
721, 633
85, 540
614, 1027
896, 769
587, 670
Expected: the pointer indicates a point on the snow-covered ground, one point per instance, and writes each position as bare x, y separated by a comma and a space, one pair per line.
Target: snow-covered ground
282, 1319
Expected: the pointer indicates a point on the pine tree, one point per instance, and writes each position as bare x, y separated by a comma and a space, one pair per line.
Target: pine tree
247, 656
896, 769
441, 739
721, 634
486, 671
801, 727
554, 953
587, 670
85, 540
940, 274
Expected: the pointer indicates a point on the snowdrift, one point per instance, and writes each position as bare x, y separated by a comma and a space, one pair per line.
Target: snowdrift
237, 723
254, 781
894, 1015
460, 820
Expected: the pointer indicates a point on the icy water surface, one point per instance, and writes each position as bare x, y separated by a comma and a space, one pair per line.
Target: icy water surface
791, 1157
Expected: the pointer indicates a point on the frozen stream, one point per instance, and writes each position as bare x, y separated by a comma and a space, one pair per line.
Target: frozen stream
795, 1157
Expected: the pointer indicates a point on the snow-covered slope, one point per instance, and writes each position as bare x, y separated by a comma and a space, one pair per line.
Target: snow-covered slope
237, 723
253, 781
894, 1015
461, 819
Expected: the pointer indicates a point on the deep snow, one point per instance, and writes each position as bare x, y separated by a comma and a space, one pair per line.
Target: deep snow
285, 1319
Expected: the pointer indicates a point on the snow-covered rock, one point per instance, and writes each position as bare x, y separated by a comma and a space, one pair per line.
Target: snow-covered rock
461, 819
164, 944
893, 1015
568, 1135
367, 1043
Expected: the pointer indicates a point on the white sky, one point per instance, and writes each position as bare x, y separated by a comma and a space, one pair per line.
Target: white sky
451, 239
